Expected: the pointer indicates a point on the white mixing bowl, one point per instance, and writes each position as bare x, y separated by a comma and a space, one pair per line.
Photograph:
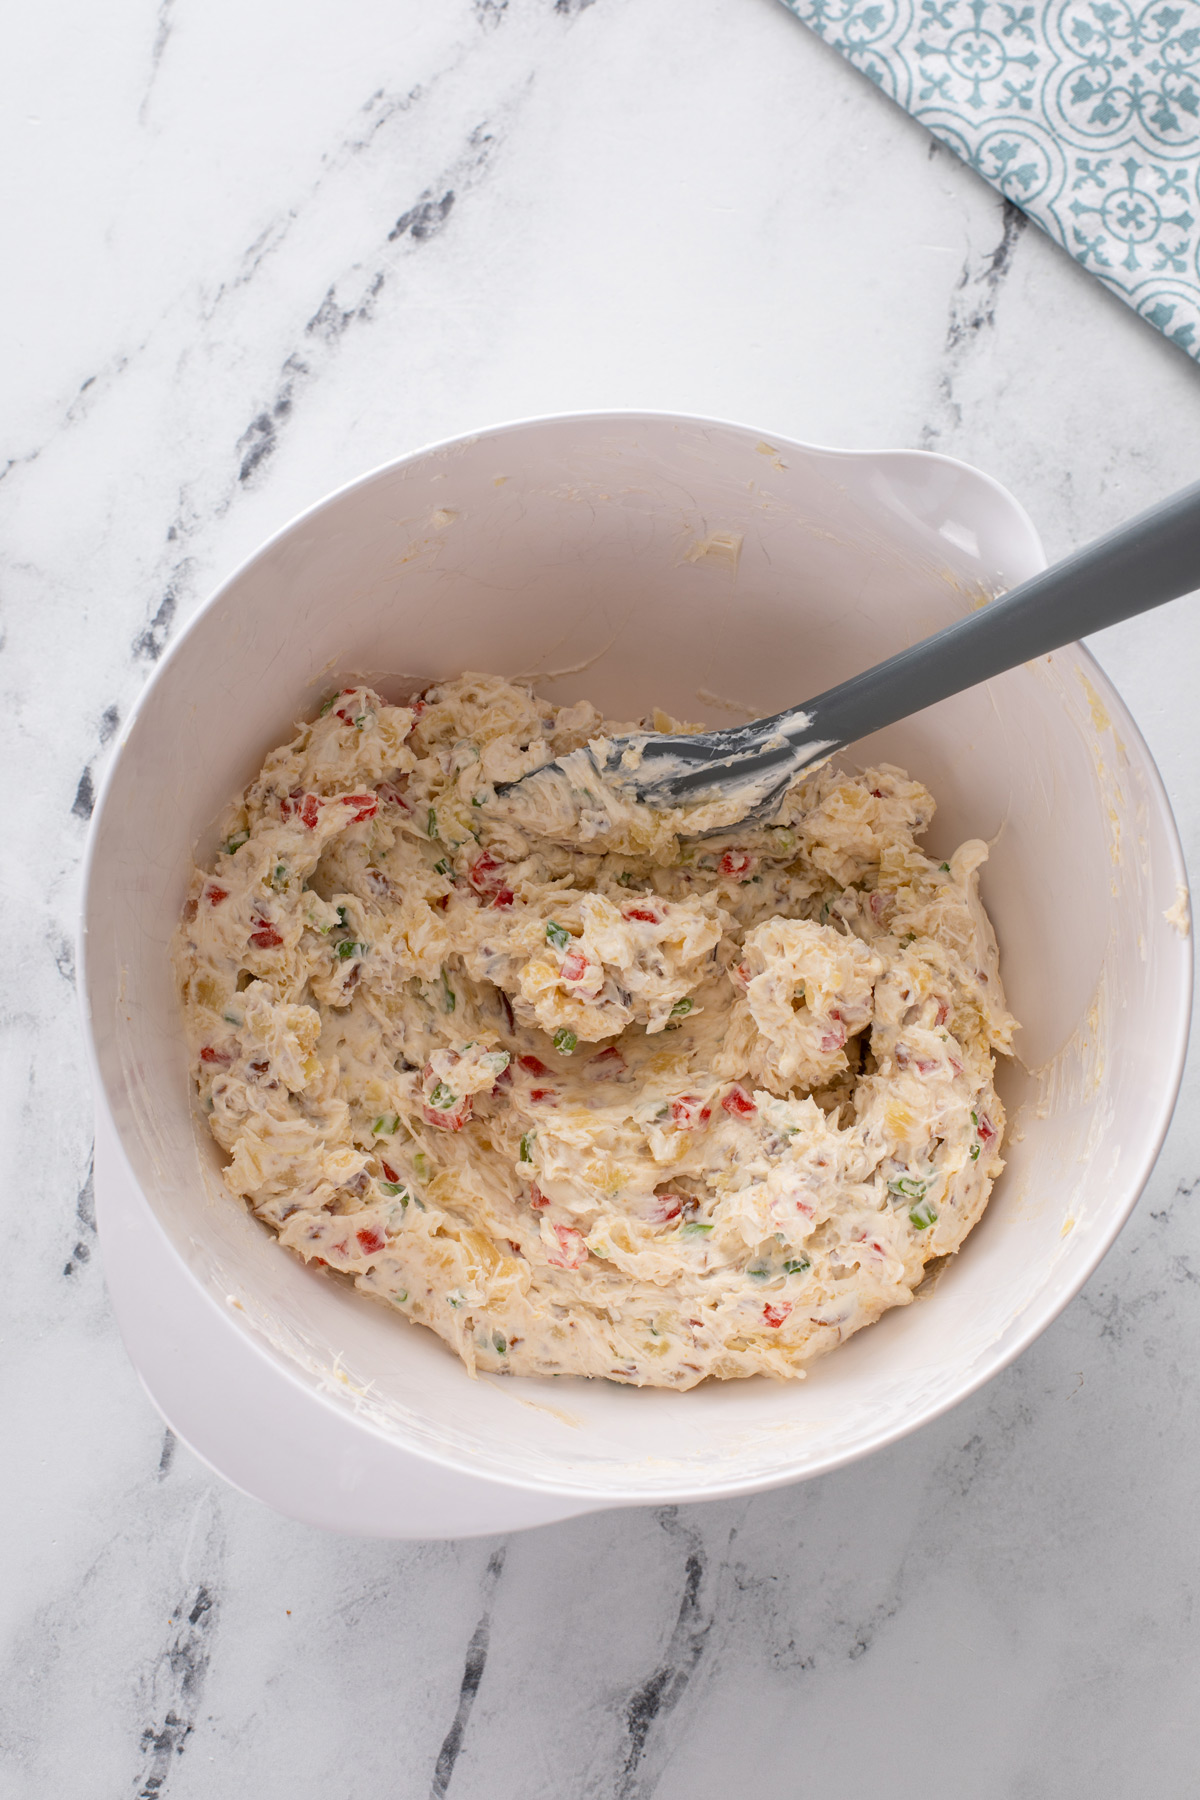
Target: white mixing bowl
600, 555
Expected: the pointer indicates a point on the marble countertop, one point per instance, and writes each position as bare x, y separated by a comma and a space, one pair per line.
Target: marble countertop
251, 251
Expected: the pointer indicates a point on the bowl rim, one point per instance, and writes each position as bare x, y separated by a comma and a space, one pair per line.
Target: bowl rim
1041, 1311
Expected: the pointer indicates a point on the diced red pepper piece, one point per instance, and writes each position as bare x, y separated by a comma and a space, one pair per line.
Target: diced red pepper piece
536, 1197
574, 966
265, 936
365, 806
389, 791
307, 807
608, 1061
943, 1012
775, 1315
214, 894
371, 1240
572, 1251
389, 1174
504, 897
987, 1130
738, 1103
542, 1094
533, 1065
647, 914
666, 1207
418, 707
209, 1055
738, 863
687, 1112
486, 875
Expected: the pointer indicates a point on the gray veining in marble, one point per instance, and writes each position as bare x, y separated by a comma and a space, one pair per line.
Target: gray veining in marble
251, 251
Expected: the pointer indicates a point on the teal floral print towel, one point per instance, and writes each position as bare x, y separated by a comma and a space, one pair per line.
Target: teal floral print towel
1084, 113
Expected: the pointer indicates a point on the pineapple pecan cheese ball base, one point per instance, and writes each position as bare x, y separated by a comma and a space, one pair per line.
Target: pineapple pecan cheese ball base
641, 1107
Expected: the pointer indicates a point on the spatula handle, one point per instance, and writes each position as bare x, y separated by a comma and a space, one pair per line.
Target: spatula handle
1152, 559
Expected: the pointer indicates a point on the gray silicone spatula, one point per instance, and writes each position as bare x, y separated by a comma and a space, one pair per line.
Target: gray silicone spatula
1152, 559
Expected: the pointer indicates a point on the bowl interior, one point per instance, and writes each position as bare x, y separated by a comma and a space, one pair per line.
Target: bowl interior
640, 560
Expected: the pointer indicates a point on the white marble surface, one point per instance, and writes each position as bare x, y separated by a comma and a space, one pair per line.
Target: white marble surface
234, 278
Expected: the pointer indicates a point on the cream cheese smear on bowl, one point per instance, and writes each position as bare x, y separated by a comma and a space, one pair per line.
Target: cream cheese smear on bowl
624, 1102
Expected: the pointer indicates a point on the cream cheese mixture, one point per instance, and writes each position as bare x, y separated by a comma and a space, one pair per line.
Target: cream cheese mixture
645, 1107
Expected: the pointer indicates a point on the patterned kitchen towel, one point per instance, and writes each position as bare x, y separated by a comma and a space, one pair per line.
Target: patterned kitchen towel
1084, 113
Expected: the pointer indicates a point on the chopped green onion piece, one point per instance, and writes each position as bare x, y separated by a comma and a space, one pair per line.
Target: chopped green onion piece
386, 1125
796, 1265
910, 937
402, 1296
421, 1165
349, 948
442, 1099
431, 828
328, 706
476, 800
558, 935
694, 1226
526, 1151
908, 1187
975, 1119
565, 1041
501, 1344
279, 877
974, 1152
232, 1019
944, 867
394, 1188
680, 1007
441, 867
235, 842
625, 877
922, 1215
758, 1271
497, 1061
343, 918
449, 999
